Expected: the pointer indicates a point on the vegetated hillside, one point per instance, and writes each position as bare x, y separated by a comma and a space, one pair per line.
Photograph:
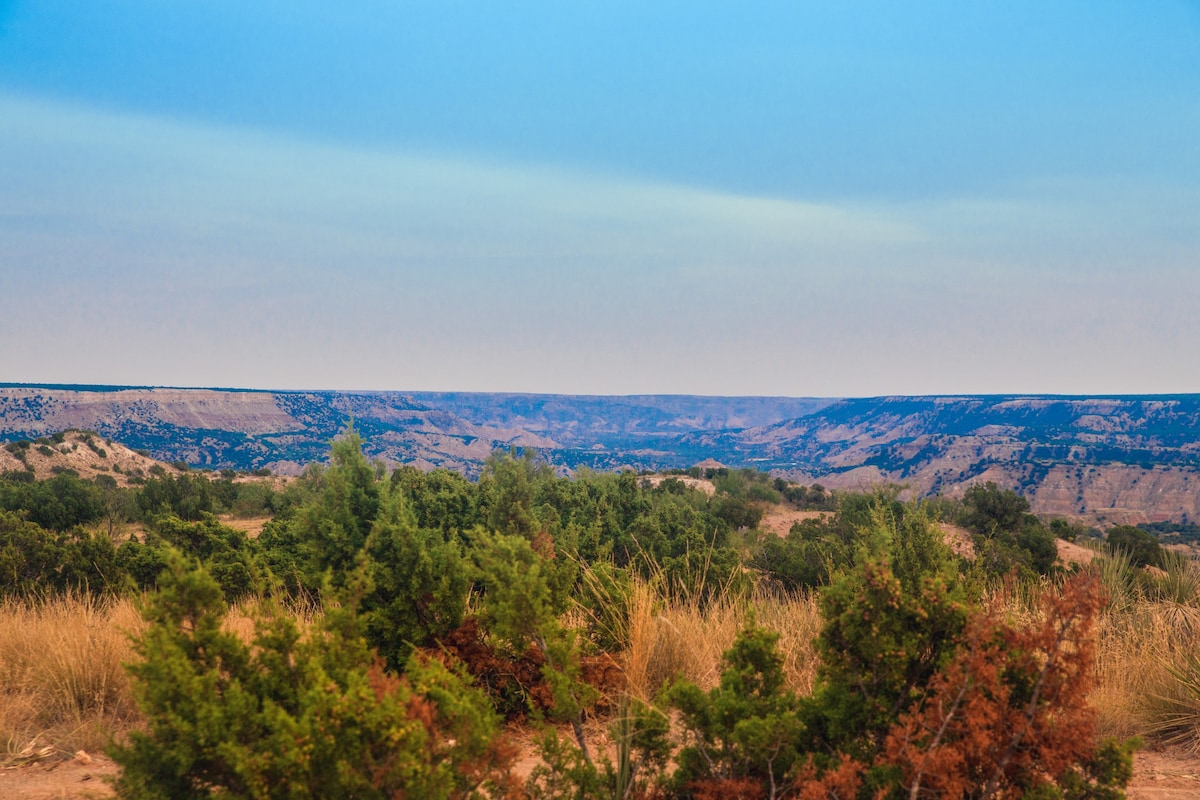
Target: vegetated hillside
1113, 459
81, 452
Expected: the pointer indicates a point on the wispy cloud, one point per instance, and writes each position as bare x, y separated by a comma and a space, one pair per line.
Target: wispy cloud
145, 250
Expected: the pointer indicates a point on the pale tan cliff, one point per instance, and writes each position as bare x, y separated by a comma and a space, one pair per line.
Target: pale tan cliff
246, 412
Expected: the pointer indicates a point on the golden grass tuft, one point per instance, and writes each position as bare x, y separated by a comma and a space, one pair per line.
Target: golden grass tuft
62, 677
686, 639
1132, 650
61, 673
1147, 674
1148, 646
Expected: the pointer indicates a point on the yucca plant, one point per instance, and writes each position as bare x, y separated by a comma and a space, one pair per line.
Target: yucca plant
1173, 710
1119, 578
1178, 581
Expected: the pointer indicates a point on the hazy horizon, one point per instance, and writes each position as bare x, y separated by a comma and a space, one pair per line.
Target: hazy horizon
101, 387
784, 200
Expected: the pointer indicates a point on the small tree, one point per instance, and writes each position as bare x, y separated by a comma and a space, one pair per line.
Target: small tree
1142, 546
524, 594
1008, 537
890, 624
330, 530
419, 582
508, 486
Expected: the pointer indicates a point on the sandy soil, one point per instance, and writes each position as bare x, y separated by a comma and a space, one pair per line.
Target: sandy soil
59, 778
1158, 775
779, 520
1071, 553
251, 526
959, 539
1164, 775
696, 483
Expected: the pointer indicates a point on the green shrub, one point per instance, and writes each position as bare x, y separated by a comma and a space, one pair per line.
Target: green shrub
745, 729
295, 715
1142, 546
252, 500
26, 475
881, 643
228, 555
1007, 537
59, 504
38, 562
419, 578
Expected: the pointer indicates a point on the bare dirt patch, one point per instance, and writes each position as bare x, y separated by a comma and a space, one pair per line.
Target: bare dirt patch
1071, 553
251, 526
1158, 775
1164, 775
696, 483
779, 521
78, 777
958, 539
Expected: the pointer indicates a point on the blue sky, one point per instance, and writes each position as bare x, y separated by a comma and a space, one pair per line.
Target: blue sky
786, 198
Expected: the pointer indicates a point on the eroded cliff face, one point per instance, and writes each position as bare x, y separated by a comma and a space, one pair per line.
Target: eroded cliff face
40, 411
1099, 495
1119, 494
1102, 460
281, 431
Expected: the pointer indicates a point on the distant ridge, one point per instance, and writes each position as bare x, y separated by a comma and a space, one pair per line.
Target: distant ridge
1116, 457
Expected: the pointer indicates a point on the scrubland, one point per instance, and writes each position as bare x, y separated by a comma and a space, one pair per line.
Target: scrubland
635, 640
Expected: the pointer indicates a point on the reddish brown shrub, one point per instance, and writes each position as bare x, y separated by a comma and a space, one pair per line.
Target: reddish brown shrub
1007, 717
515, 685
518, 685
728, 789
1010, 712
840, 783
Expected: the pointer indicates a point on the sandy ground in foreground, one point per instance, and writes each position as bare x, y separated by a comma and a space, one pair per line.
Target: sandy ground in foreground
1159, 775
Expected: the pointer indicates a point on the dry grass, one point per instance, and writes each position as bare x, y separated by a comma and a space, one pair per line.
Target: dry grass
63, 683
687, 639
251, 526
1149, 641
1133, 652
1149, 659
61, 674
